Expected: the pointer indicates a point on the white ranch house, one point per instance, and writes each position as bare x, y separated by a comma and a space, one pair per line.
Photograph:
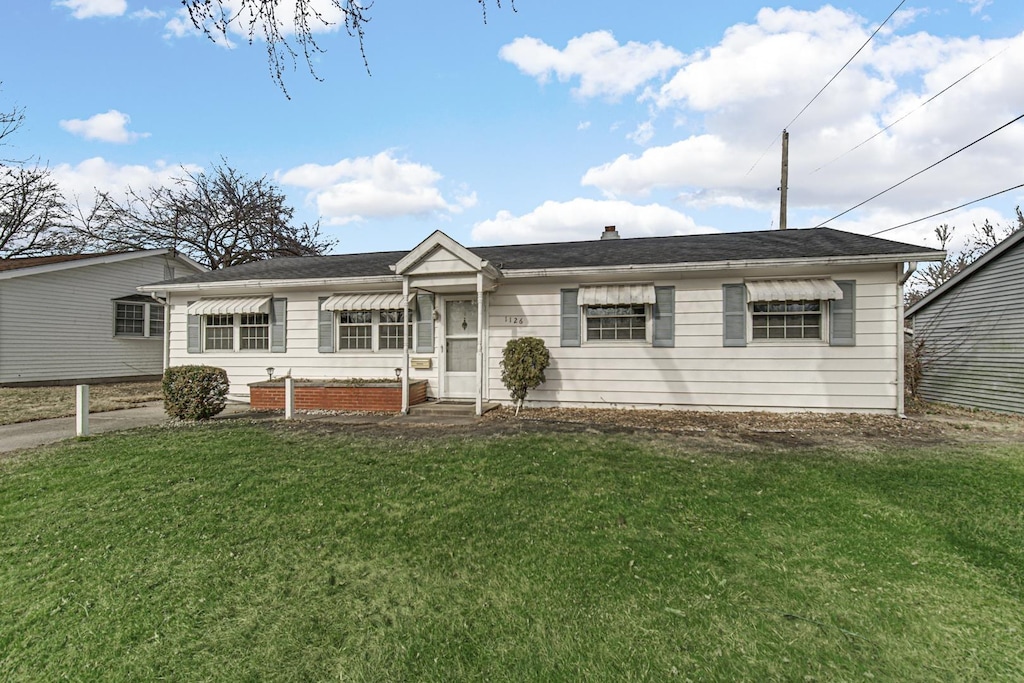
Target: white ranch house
79, 318
797, 320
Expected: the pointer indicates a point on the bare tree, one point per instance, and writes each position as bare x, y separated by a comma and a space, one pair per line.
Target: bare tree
219, 219
983, 238
10, 121
33, 214
269, 21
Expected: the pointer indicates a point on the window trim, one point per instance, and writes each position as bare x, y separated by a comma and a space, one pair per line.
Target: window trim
822, 313
648, 326
236, 332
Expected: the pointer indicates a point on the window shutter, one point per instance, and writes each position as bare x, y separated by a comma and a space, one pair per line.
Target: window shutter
843, 316
325, 327
734, 315
278, 325
195, 342
570, 318
664, 316
424, 323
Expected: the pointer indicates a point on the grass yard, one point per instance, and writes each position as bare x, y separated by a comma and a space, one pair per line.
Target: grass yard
24, 404
258, 552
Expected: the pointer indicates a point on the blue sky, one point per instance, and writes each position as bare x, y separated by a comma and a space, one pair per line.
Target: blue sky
543, 124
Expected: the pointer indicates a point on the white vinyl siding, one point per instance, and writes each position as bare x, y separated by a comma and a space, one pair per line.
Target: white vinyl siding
75, 307
302, 357
695, 372
698, 371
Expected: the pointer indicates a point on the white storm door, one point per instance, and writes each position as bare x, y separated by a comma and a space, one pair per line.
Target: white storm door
460, 337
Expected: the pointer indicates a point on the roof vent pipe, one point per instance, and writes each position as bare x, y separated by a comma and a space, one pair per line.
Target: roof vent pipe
609, 233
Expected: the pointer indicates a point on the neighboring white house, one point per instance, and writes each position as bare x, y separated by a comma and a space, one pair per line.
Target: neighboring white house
780, 320
972, 333
80, 318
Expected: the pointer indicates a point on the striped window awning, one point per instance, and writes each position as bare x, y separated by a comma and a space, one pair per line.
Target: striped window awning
615, 295
363, 302
793, 290
240, 304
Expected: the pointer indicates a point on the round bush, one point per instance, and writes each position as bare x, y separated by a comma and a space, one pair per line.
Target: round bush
195, 392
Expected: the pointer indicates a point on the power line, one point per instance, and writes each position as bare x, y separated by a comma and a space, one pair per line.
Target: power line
920, 106
939, 213
836, 75
927, 168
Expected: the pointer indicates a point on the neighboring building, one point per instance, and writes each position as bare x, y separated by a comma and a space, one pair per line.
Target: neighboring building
79, 318
781, 320
972, 333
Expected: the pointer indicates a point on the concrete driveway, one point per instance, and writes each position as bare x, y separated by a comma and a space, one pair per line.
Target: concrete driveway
41, 432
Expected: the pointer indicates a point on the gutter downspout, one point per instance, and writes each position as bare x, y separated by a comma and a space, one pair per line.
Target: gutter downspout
167, 329
910, 269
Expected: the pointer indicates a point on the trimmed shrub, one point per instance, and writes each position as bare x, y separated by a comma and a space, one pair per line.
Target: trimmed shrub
194, 392
523, 363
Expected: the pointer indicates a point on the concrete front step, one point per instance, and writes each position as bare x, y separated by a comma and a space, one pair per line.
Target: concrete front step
449, 408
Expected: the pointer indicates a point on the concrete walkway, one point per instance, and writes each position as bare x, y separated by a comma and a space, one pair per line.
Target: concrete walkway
41, 432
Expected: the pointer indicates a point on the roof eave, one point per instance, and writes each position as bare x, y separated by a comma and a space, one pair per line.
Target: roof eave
266, 283
697, 266
81, 263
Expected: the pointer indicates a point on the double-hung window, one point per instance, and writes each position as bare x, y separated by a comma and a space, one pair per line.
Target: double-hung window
355, 330
614, 314
237, 324
138, 316
627, 322
814, 309
374, 322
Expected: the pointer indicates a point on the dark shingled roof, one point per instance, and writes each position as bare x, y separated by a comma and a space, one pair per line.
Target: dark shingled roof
815, 243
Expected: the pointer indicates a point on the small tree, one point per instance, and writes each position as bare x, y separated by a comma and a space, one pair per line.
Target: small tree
524, 361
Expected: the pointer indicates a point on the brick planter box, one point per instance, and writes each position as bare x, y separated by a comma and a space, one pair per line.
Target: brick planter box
384, 397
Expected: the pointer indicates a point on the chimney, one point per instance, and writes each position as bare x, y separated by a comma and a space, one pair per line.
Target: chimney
610, 233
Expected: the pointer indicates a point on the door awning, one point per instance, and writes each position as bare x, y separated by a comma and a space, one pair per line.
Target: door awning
615, 295
793, 290
363, 302
241, 304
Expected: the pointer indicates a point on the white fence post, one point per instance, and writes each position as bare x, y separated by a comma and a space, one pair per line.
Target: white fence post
289, 398
82, 410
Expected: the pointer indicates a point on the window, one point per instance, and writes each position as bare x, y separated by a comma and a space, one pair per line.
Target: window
390, 332
156, 321
255, 324
220, 332
129, 319
355, 330
254, 331
786, 319
616, 323
138, 318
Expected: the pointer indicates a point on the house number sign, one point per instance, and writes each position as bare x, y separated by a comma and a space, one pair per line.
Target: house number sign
515, 319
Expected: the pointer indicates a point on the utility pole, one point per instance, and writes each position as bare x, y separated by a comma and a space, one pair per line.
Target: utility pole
784, 186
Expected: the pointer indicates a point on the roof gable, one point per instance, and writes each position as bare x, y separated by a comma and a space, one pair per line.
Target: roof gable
439, 250
35, 265
967, 273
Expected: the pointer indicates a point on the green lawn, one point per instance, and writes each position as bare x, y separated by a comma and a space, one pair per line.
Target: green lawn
254, 552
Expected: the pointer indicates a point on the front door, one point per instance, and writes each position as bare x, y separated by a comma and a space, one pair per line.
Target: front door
460, 335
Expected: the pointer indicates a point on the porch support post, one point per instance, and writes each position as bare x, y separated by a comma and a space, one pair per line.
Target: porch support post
405, 346
479, 343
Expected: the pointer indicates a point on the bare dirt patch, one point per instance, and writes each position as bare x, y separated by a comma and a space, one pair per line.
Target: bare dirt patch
708, 431
25, 404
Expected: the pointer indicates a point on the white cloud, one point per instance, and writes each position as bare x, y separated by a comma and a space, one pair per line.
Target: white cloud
737, 95
977, 6
83, 179
582, 219
604, 67
583, 125
327, 18
146, 13
381, 186
643, 133
86, 9
110, 126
